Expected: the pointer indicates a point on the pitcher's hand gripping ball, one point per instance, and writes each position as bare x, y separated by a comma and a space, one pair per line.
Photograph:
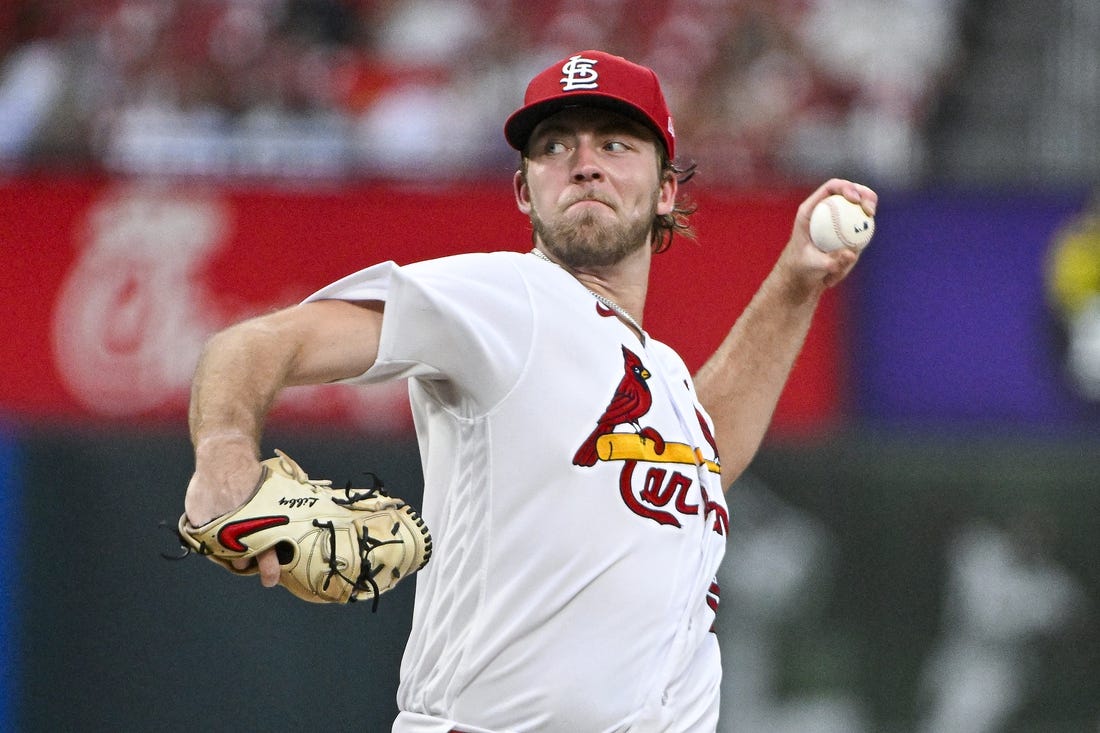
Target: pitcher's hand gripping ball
836, 222
333, 545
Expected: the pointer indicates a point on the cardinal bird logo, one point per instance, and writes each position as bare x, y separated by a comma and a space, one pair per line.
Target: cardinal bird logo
632, 399
667, 489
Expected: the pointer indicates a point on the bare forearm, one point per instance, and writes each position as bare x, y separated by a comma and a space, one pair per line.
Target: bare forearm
244, 368
741, 383
240, 373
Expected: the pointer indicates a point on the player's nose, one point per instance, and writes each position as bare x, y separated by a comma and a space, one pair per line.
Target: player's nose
585, 162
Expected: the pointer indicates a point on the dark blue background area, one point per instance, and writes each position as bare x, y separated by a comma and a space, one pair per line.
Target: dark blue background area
11, 492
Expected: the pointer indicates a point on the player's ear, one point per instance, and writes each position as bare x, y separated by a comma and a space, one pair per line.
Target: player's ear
522, 192
666, 194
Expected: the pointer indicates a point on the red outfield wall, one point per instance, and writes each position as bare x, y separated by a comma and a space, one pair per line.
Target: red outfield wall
112, 287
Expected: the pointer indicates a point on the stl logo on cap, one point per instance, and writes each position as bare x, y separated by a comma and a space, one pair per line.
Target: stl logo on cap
579, 74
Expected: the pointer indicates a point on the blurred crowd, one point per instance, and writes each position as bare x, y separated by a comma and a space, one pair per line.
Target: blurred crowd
762, 90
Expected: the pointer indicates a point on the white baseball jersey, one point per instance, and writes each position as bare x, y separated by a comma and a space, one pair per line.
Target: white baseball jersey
572, 492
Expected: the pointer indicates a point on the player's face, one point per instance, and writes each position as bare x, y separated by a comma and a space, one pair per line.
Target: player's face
592, 186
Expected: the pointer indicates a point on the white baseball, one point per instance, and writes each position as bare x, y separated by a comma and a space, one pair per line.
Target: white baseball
836, 222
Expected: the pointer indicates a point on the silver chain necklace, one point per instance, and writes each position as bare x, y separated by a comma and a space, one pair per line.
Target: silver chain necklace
608, 302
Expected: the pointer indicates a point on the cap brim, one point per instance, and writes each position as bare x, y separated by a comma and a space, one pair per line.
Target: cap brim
518, 127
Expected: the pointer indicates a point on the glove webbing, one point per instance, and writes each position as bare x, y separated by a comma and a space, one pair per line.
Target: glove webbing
367, 571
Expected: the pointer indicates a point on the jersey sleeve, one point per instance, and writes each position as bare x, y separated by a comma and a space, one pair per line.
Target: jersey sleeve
463, 323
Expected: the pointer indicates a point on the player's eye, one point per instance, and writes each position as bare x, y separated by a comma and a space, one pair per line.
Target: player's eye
616, 146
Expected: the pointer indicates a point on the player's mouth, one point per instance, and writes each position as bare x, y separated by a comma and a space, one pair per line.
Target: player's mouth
584, 201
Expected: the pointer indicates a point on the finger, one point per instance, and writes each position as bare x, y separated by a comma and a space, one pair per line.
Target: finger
857, 193
843, 262
270, 570
865, 197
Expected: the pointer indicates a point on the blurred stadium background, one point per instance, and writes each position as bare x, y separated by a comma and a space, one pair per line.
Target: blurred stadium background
913, 551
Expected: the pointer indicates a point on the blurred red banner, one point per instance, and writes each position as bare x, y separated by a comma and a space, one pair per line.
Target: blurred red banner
112, 287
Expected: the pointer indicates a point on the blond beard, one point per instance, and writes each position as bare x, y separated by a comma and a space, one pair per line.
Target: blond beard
588, 242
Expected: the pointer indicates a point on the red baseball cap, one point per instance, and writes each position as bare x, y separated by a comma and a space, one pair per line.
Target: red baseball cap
593, 79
